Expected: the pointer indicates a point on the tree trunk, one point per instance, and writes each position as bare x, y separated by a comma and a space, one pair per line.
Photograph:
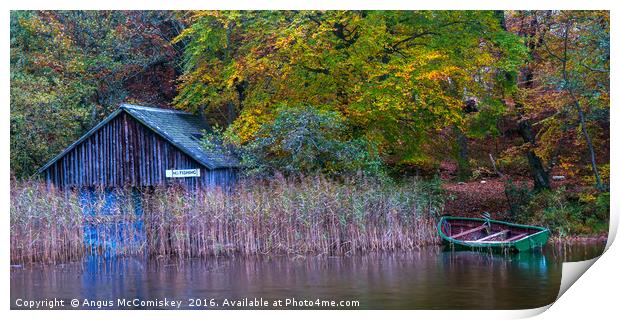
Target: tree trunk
231, 113
537, 169
586, 135
582, 117
462, 155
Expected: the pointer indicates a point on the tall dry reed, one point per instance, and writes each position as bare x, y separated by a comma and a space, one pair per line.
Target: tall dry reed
283, 216
46, 225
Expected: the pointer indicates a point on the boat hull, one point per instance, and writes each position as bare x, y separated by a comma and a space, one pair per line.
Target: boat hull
533, 236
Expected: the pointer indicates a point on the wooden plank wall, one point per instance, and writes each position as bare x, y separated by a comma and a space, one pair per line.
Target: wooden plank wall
125, 153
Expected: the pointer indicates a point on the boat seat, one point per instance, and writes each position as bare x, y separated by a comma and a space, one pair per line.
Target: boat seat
492, 236
464, 233
520, 235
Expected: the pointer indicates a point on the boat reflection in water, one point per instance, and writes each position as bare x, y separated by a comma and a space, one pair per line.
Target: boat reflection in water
422, 279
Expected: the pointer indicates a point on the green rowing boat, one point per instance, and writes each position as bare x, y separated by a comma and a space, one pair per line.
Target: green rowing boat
477, 233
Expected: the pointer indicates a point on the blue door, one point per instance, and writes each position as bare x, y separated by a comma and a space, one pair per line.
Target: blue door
113, 221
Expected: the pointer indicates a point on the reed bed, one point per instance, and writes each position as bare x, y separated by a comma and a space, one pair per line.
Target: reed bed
45, 226
316, 216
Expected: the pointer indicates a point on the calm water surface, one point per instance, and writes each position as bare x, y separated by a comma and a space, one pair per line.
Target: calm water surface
424, 279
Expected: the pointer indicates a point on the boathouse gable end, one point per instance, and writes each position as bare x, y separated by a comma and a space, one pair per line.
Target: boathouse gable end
141, 147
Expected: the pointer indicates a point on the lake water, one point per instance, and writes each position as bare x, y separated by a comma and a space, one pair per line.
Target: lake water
426, 279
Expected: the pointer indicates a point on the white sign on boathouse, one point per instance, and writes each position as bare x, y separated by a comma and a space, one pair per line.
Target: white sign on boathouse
184, 173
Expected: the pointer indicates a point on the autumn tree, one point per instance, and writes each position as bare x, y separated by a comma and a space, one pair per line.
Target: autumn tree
566, 86
576, 50
398, 77
69, 69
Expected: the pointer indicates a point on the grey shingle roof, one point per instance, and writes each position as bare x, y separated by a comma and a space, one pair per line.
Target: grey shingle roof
182, 129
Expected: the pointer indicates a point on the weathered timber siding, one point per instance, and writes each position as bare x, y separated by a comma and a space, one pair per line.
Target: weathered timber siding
122, 153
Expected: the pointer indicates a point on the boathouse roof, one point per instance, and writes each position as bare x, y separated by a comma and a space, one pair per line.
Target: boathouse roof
182, 129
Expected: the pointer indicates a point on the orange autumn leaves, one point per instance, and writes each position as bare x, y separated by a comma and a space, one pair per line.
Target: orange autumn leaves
397, 77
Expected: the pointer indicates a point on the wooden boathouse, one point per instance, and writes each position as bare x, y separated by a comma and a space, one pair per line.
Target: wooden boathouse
135, 148
138, 147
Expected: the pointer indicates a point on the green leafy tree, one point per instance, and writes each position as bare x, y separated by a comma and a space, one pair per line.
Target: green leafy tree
398, 77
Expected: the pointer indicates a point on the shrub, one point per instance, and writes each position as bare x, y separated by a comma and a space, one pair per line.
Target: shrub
518, 196
566, 213
304, 140
420, 166
602, 205
514, 164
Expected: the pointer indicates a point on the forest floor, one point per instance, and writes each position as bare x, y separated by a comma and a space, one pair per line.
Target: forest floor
475, 197
487, 194
471, 198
